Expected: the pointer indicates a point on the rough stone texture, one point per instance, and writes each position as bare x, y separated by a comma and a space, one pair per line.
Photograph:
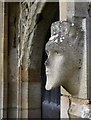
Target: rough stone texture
27, 27
28, 23
34, 113
64, 101
34, 21
77, 9
81, 11
66, 40
88, 37
29, 55
24, 95
13, 83
34, 95
1, 58
24, 38
5, 67
80, 108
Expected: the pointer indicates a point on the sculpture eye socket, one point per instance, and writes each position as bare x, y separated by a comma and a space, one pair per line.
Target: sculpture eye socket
56, 52
47, 52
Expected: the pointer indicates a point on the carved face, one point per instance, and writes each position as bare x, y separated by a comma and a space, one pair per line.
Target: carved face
59, 67
63, 58
53, 64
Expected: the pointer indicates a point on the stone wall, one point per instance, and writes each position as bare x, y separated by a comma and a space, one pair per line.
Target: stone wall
35, 22
1, 58
30, 72
79, 106
25, 28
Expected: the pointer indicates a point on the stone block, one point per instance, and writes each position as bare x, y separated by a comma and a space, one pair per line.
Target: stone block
5, 113
12, 94
35, 113
5, 96
77, 9
1, 114
13, 112
24, 113
80, 108
35, 101
64, 107
1, 59
1, 94
1, 71
34, 88
24, 93
24, 75
34, 75
1, 44
88, 38
81, 9
34, 95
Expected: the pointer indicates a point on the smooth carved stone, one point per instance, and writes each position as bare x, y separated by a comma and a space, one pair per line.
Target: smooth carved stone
65, 53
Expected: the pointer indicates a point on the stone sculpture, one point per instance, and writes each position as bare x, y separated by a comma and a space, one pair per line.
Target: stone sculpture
65, 55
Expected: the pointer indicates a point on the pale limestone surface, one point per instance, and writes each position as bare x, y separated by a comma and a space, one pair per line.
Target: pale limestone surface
80, 108
77, 81
1, 58
80, 11
65, 56
77, 9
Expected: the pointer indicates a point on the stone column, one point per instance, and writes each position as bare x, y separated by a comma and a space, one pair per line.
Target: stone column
1, 58
13, 79
29, 59
5, 60
79, 106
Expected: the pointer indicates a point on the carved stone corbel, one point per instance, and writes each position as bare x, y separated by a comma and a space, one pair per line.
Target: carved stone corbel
65, 56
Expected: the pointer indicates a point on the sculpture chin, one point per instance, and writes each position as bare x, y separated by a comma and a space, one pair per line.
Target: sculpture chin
47, 87
49, 84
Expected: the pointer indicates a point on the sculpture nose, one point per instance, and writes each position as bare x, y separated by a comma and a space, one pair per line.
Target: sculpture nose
46, 62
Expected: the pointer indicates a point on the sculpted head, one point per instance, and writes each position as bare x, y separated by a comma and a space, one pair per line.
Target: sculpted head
65, 51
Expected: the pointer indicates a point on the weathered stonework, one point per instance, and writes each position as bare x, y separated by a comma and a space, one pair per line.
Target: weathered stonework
13, 81
1, 60
27, 59
71, 38
20, 64
34, 22
66, 40
85, 82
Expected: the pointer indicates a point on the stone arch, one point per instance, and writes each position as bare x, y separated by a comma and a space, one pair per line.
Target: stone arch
26, 86
47, 16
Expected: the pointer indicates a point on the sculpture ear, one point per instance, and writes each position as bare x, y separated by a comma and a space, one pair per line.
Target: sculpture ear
76, 38
72, 32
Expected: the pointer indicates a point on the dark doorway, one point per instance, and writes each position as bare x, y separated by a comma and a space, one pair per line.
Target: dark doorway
50, 99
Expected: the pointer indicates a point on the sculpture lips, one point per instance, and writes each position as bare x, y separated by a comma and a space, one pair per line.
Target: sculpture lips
47, 72
48, 86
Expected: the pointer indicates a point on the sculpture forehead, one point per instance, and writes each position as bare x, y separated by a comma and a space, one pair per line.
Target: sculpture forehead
62, 27
61, 33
